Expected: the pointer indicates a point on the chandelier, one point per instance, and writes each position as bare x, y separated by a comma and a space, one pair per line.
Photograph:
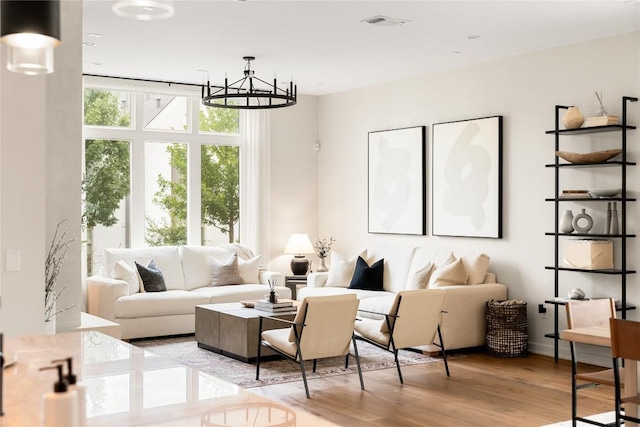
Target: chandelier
250, 93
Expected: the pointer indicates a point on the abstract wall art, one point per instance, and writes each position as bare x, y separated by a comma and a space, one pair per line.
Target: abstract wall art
397, 181
467, 178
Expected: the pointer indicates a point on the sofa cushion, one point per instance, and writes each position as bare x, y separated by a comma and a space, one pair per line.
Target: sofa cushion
235, 293
250, 269
151, 277
477, 266
397, 260
341, 269
420, 279
151, 304
225, 273
196, 266
365, 277
123, 271
379, 304
167, 258
424, 256
451, 274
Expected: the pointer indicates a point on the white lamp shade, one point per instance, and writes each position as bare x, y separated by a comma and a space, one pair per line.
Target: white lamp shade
299, 243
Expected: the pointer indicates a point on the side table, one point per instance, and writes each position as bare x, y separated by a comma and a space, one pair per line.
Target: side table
292, 283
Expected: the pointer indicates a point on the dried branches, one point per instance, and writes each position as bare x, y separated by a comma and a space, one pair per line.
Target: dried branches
52, 266
323, 247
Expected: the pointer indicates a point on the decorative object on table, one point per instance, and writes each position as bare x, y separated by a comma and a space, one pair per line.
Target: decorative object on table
397, 177
249, 92
614, 221
323, 247
582, 228
595, 157
274, 307
273, 297
604, 192
467, 178
566, 222
573, 118
574, 194
576, 293
601, 110
588, 254
53, 264
607, 224
298, 245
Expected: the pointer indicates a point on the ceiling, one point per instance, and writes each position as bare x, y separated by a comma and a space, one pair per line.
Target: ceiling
324, 45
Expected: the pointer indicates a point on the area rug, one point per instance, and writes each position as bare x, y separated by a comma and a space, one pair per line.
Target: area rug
186, 351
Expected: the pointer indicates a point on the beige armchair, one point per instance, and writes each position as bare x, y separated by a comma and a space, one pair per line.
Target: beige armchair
323, 327
413, 320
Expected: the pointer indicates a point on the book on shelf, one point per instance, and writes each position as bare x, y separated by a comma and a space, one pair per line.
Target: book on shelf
574, 193
600, 121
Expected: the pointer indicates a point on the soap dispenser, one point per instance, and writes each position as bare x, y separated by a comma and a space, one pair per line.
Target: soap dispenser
73, 384
61, 405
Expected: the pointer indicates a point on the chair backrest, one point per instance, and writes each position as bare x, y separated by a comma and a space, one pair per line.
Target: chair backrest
418, 316
329, 322
595, 312
625, 339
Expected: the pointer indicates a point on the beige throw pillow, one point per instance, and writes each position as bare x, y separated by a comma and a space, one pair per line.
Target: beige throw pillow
341, 269
477, 266
123, 271
250, 270
420, 279
226, 273
451, 274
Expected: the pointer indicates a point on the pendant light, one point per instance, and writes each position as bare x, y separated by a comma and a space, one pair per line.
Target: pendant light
31, 30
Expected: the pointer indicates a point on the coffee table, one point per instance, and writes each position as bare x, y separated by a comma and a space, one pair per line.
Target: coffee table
231, 329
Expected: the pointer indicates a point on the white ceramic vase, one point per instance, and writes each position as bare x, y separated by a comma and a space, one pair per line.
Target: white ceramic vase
322, 267
573, 119
566, 222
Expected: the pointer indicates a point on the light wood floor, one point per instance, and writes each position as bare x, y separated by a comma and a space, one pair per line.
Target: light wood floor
482, 391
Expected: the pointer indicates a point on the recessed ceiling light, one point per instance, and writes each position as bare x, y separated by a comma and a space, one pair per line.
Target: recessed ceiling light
473, 37
202, 71
385, 21
96, 63
89, 44
144, 10
96, 35
456, 52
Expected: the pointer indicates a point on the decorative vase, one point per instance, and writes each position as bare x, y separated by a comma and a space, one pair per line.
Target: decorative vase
614, 220
582, 216
566, 222
573, 119
273, 298
322, 267
607, 226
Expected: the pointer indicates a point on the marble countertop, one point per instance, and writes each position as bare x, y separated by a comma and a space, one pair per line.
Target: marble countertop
128, 386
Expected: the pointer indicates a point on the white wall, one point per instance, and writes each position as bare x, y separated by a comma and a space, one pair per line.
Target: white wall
524, 90
293, 164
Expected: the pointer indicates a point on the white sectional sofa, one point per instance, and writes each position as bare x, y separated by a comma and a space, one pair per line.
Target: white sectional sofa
187, 277
463, 323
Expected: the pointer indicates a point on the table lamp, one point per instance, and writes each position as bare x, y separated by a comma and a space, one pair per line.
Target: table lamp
297, 245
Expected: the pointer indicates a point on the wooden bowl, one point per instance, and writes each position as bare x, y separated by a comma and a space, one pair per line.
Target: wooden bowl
595, 157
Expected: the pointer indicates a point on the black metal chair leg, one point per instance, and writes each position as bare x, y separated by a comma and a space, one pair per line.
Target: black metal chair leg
304, 377
574, 397
444, 352
395, 357
346, 361
355, 350
259, 347
315, 364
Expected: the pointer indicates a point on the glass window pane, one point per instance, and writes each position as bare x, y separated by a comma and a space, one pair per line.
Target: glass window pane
165, 193
107, 108
219, 120
220, 189
106, 198
165, 112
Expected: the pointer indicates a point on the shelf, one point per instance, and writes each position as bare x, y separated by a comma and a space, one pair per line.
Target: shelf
586, 165
611, 236
589, 130
590, 199
612, 271
554, 336
564, 301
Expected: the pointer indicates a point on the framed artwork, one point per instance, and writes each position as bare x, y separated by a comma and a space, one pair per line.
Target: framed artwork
397, 184
467, 178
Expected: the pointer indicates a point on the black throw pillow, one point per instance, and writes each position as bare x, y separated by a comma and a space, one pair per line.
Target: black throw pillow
368, 278
152, 278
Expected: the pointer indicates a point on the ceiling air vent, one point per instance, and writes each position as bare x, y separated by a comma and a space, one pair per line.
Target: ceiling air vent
385, 21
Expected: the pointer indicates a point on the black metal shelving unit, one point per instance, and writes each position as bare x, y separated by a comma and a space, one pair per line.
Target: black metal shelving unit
623, 271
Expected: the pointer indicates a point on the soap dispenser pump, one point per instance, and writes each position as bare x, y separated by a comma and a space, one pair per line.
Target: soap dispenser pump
61, 405
73, 384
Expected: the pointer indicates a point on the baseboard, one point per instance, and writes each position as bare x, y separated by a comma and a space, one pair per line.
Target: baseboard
590, 354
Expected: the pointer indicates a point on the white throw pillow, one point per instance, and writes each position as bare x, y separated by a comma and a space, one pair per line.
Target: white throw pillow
123, 271
477, 266
225, 273
451, 274
341, 269
420, 279
250, 269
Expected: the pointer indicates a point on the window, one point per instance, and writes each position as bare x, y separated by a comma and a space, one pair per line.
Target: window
142, 183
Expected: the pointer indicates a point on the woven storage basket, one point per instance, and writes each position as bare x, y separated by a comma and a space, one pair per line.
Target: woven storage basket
507, 333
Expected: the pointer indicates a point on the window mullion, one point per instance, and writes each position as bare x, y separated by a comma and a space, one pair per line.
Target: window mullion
137, 175
194, 196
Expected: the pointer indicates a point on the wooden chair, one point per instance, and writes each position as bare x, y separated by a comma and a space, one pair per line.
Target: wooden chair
582, 314
323, 327
625, 344
413, 320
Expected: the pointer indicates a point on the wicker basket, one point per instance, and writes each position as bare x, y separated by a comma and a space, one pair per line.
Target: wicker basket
507, 333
